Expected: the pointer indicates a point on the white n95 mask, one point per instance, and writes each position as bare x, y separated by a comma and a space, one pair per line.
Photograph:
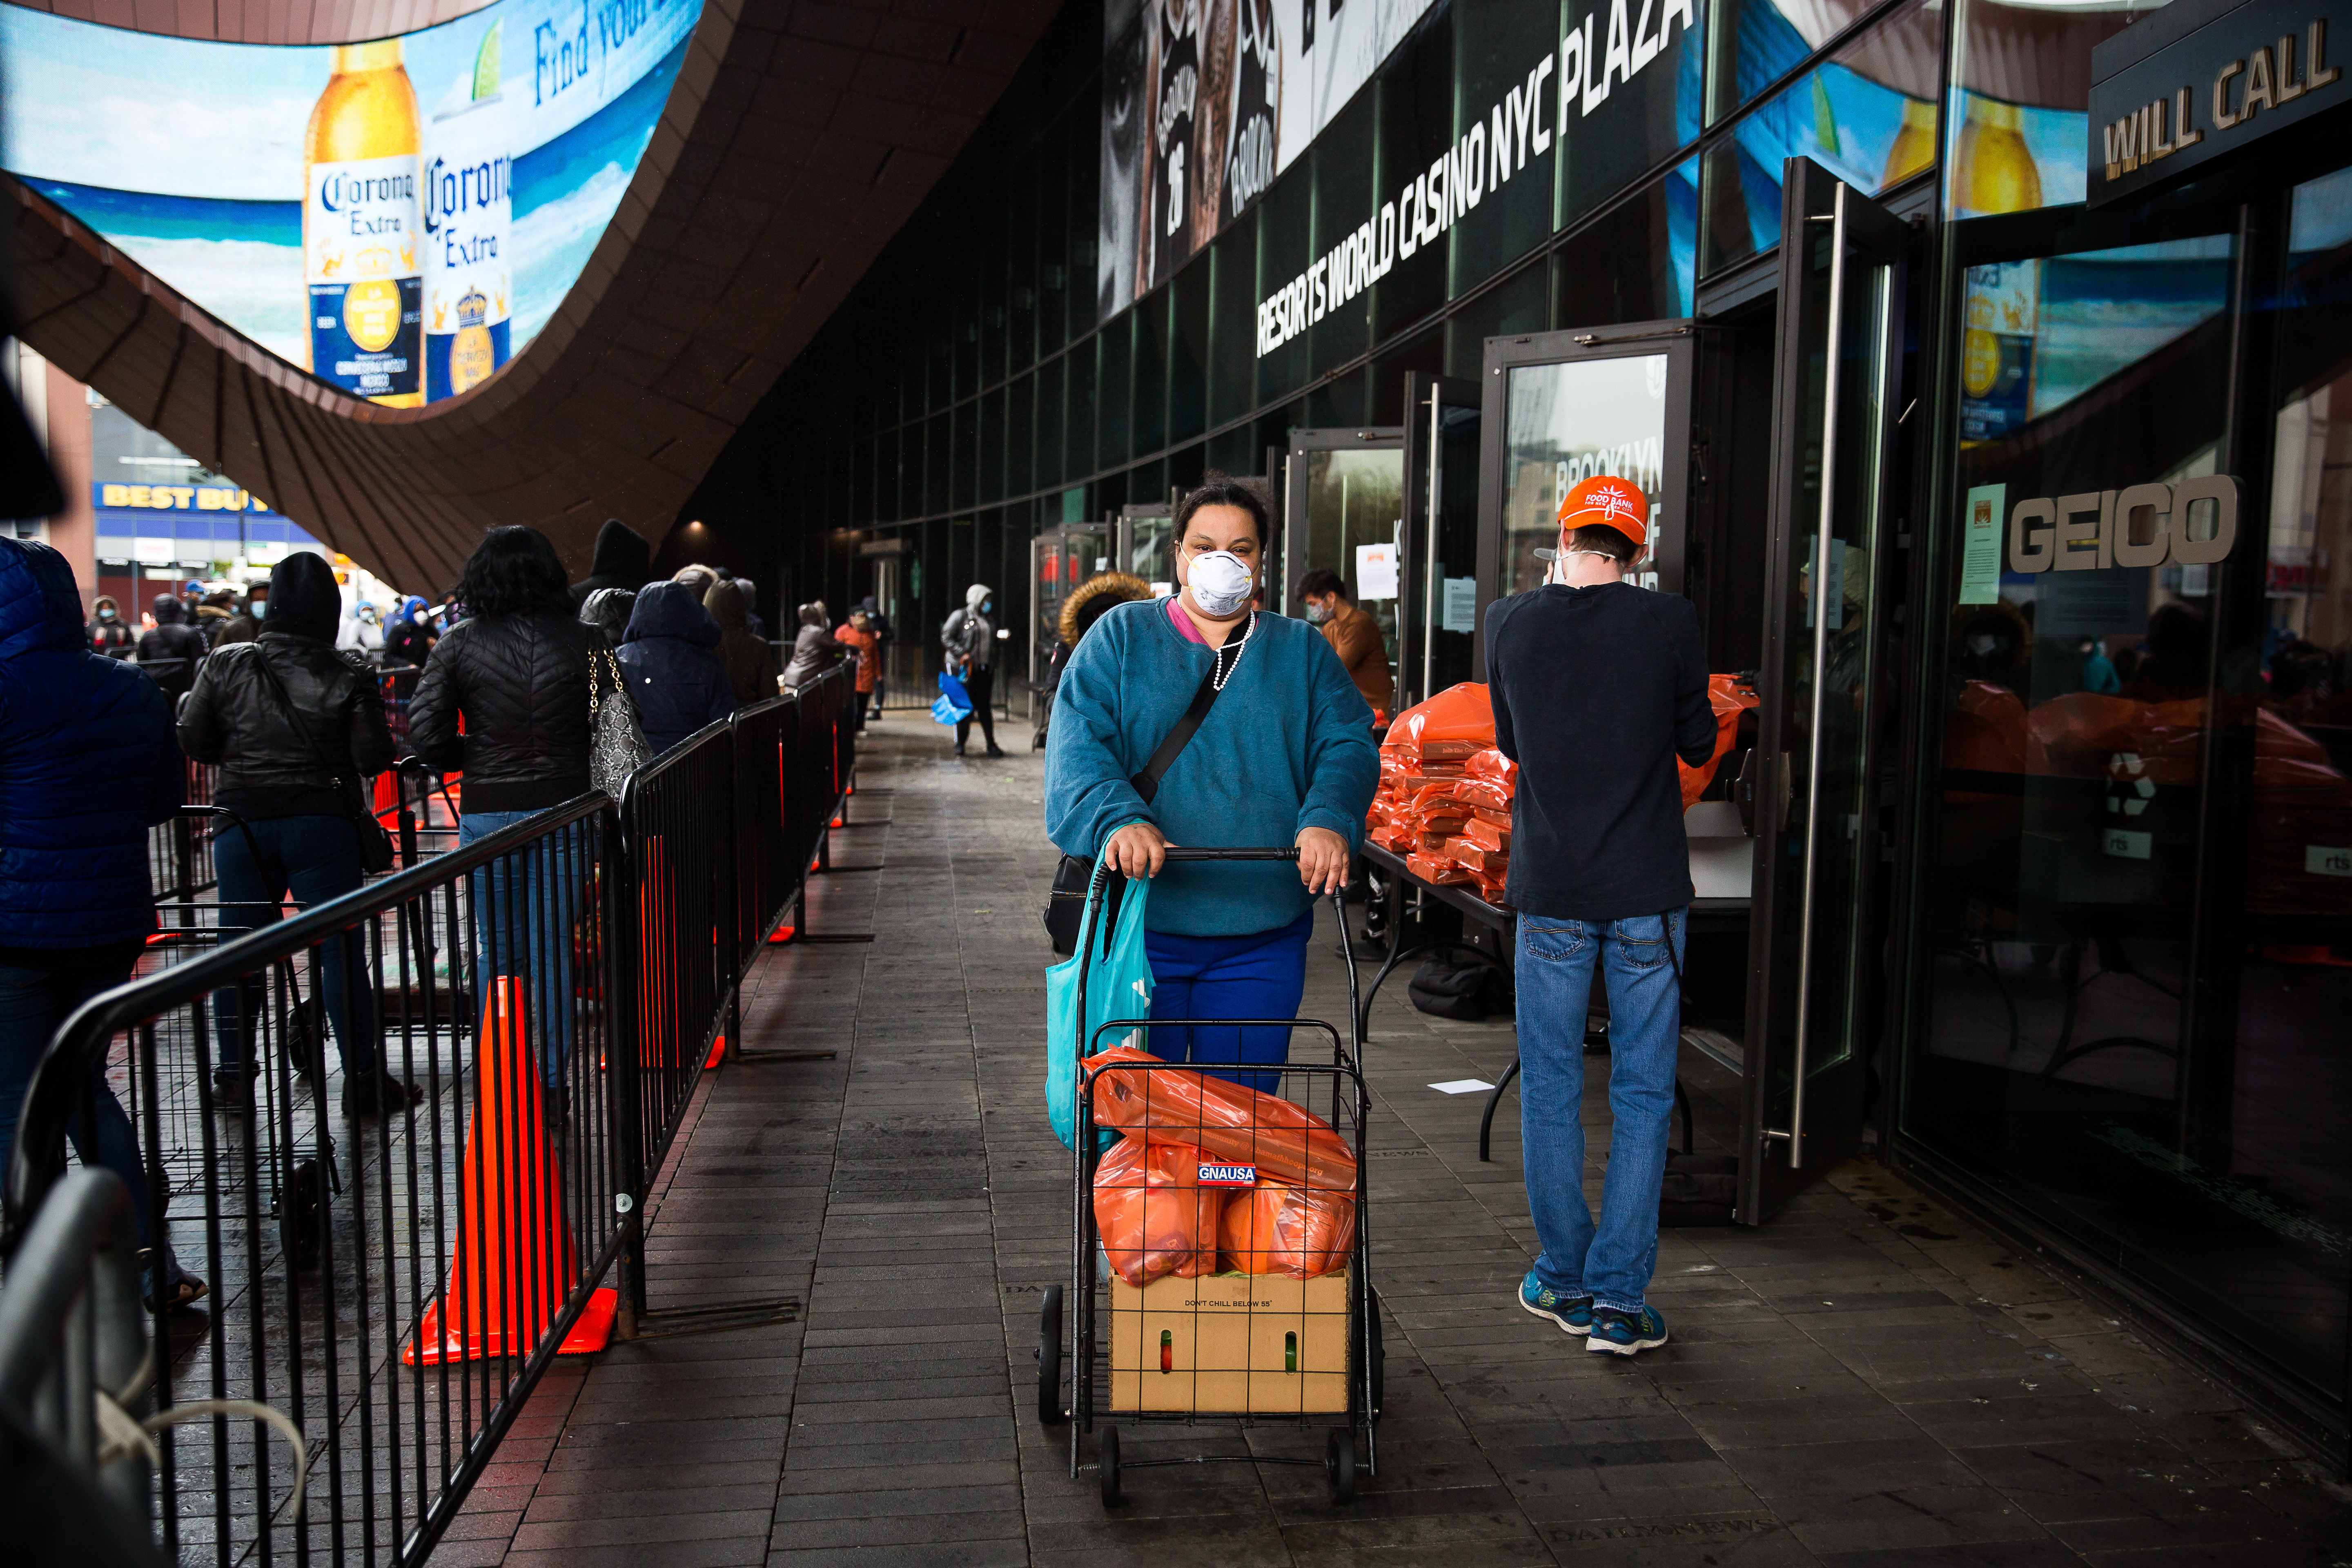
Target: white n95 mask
1220, 584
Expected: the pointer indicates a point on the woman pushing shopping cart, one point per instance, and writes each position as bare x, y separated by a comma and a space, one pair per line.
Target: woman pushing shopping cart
1220, 1258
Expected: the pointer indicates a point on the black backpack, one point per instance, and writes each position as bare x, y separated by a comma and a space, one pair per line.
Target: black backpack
1452, 988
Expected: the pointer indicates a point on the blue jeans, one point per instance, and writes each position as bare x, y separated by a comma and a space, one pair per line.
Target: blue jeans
525, 904
38, 988
315, 858
1260, 975
1613, 1263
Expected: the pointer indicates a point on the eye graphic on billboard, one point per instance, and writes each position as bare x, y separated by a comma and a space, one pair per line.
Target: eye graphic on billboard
399, 216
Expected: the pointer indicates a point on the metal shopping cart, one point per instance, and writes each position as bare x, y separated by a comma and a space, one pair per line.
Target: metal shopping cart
1291, 1346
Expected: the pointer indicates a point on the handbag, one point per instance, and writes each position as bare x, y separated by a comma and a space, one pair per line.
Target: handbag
616, 740
375, 845
1118, 986
953, 704
1065, 905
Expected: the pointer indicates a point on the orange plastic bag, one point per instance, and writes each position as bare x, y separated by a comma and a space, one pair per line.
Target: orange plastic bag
1985, 731
1437, 869
1288, 1230
1491, 764
1493, 836
1437, 729
1154, 1216
1730, 700
1239, 1126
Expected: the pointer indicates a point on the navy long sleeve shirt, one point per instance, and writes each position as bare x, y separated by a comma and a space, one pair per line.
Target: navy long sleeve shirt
1596, 691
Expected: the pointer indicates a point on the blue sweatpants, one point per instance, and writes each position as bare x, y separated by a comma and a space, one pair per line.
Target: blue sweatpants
1260, 975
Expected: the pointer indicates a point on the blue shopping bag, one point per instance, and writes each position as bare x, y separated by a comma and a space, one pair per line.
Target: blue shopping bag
1118, 985
953, 704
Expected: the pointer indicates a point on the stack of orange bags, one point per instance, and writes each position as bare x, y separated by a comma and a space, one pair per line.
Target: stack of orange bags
1444, 797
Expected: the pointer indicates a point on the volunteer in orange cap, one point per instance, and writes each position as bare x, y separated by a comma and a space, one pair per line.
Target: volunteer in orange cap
1597, 687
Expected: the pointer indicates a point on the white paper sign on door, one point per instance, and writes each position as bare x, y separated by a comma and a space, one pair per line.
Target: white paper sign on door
1376, 572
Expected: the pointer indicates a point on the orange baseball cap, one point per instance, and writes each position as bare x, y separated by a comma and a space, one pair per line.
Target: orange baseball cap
1604, 500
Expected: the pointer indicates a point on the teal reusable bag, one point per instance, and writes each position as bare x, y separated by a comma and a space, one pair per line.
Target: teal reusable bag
1118, 986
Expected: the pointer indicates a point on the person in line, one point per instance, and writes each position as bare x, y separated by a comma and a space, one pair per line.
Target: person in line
1598, 686
1283, 758
750, 662
363, 634
409, 639
515, 671
109, 634
246, 624
860, 638
298, 729
666, 657
171, 652
814, 649
1354, 635
879, 624
752, 621
607, 609
214, 613
697, 577
970, 639
623, 559
87, 765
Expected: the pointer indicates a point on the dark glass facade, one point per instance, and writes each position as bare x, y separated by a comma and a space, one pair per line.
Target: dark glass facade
2114, 851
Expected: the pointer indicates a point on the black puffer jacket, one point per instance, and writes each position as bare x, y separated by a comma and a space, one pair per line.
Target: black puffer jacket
235, 717
238, 718
522, 681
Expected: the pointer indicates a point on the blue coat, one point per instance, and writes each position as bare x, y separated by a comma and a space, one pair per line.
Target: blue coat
1287, 745
674, 679
87, 762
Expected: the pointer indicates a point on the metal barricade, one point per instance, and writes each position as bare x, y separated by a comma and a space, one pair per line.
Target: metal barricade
393, 1280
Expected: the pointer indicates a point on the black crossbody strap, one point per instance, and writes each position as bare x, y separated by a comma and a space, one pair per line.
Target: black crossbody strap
1147, 783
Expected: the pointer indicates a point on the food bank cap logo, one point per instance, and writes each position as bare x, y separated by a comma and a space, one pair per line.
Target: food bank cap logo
1611, 501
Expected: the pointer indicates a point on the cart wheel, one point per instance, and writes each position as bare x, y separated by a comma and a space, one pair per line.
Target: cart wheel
1049, 1358
1339, 1467
1380, 1359
1106, 1449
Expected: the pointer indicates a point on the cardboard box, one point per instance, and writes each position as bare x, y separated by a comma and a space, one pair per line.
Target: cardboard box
1260, 1343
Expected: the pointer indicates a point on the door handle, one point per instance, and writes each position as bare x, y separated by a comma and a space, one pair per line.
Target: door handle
1429, 566
1809, 881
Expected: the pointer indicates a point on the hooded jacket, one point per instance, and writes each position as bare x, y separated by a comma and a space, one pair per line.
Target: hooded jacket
521, 683
750, 663
171, 651
678, 685
623, 559
302, 743
110, 635
968, 634
87, 764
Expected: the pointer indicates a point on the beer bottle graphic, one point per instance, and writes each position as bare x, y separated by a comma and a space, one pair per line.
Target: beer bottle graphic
468, 209
361, 236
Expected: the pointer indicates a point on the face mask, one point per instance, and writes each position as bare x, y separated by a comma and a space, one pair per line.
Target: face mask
260, 608
106, 614
986, 606
1318, 614
1220, 584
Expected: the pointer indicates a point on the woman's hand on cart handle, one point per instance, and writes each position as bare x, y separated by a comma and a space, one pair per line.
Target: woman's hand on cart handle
1322, 860
1136, 850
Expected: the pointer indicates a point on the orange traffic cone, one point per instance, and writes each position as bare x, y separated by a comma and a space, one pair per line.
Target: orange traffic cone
514, 1260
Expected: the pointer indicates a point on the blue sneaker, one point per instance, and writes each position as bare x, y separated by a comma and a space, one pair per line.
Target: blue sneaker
1572, 1313
1623, 1334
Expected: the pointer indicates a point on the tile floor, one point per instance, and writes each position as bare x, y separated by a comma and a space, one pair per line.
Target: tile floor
1864, 1381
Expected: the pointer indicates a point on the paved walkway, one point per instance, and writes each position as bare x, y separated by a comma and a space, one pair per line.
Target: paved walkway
1865, 1381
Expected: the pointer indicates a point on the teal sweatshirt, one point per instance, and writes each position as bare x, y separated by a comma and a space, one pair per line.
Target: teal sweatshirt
1287, 745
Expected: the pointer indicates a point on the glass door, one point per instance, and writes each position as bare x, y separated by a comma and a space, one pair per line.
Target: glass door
1437, 603
1814, 940
1342, 511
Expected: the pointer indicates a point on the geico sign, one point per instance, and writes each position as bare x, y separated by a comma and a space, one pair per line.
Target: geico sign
2145, 525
